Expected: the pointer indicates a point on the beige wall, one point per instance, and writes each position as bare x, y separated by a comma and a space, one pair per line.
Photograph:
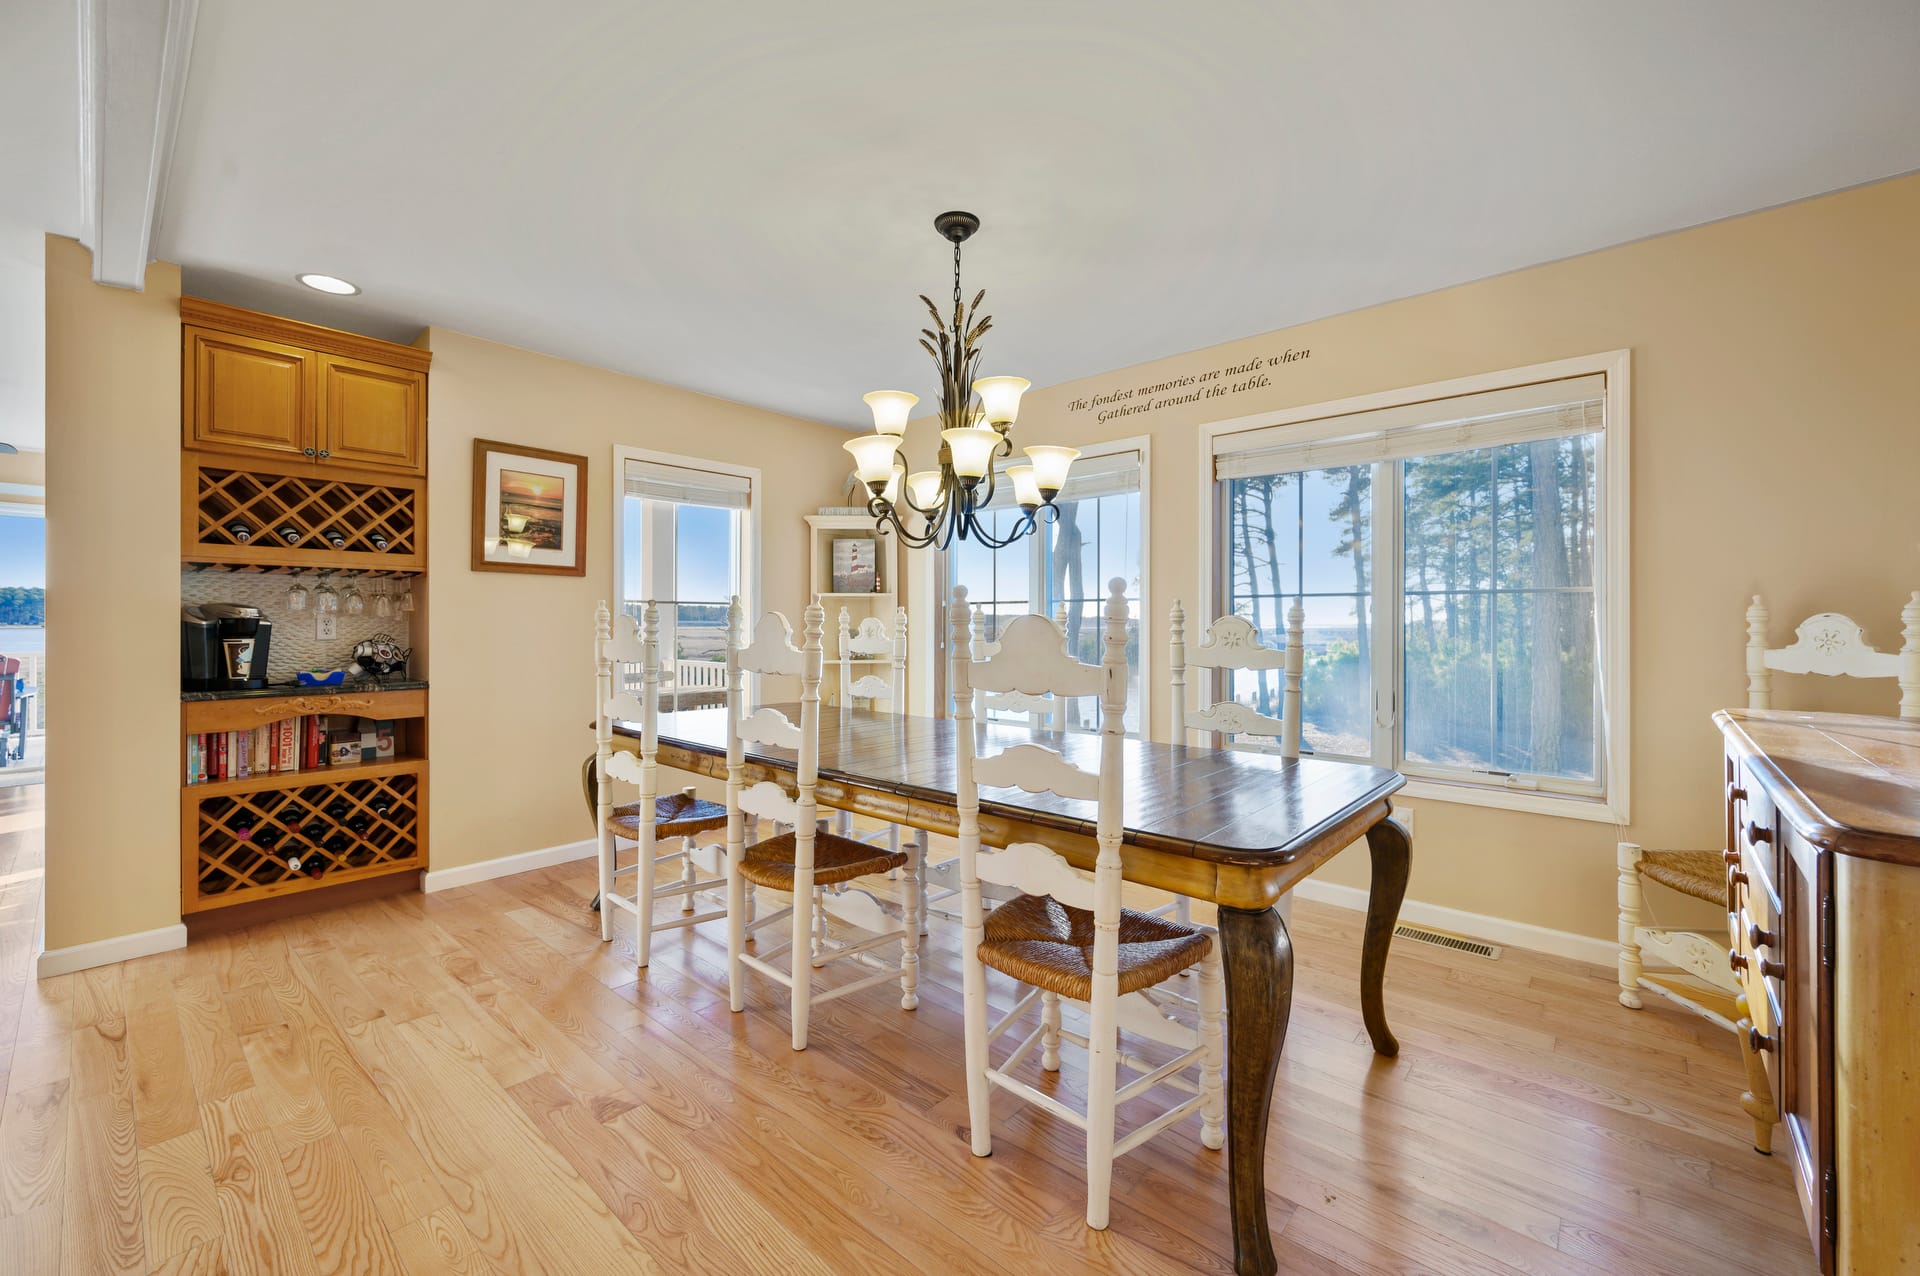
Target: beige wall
1775, 446
511, 656
113, 601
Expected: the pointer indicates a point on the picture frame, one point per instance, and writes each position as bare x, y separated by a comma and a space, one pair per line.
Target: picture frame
529, 510
856, 564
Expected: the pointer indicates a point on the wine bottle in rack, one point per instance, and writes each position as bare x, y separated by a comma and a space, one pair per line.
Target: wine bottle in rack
313, 830
359, 824
338, 843
294, 856
382, 807
337, 809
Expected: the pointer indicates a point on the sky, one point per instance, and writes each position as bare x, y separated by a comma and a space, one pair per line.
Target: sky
704, 541
23, 551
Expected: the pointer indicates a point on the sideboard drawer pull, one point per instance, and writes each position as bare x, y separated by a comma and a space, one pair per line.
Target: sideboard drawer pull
1773, 969
1758, 1041
1758, 835
1736, 959
1760, 938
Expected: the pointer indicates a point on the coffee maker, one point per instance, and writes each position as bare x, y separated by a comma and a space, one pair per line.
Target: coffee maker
223, 647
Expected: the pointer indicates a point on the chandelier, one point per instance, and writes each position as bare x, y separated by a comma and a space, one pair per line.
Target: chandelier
976, 427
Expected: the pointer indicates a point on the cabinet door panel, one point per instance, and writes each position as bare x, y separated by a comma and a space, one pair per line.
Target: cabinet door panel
372, 415
247, 395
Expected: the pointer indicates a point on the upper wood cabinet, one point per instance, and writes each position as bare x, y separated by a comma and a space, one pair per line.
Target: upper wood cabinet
371, 414
265, 386
245, 393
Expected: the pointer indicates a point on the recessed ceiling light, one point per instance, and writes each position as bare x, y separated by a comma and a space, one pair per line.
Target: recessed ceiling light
328, 283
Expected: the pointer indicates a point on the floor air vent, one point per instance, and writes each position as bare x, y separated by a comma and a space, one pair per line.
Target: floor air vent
1445, 939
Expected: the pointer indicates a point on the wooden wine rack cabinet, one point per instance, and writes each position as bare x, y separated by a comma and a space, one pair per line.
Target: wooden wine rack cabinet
380, 519
232, 865
222, 860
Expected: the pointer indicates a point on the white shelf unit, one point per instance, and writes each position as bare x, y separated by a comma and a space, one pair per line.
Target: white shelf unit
822, 531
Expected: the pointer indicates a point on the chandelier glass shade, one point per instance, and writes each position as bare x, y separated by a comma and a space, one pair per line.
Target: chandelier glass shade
977, 415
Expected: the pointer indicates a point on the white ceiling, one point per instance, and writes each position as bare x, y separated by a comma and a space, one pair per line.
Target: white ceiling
738, 198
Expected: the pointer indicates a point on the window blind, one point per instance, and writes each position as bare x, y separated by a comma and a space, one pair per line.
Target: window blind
1091, 476
1520, 414
687, 486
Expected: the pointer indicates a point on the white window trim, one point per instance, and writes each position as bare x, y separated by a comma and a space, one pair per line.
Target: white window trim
1615, 596
755, 495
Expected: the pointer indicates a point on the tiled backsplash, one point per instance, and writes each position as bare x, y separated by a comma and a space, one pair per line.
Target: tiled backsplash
294, 647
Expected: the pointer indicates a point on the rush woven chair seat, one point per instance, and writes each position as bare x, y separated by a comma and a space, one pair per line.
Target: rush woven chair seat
1042, 942
771, 862
674, 815
1701, 874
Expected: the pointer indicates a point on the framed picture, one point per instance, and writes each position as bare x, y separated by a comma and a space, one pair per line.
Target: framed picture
529, 510
855, 565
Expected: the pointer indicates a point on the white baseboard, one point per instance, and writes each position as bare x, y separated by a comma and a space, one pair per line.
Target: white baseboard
446, 879
1498, 930
104, 952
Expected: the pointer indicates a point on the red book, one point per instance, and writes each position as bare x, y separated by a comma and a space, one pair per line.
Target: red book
220, 755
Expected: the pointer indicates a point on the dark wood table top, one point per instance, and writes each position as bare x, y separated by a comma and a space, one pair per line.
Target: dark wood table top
1226, 806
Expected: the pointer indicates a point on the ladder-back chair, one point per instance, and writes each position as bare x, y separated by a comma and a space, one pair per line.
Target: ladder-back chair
1065, 936
806, 859
1827, 644
619, 645
1233, 643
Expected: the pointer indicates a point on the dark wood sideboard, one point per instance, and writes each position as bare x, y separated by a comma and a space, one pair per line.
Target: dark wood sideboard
1823, 896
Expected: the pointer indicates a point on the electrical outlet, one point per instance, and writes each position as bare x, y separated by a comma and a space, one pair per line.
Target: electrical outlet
1404, 814
326, 626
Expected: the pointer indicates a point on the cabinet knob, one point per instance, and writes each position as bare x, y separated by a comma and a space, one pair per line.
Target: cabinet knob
1736, 959
1736, 877
1760, 938
1732, 857
324, 454
1755, 834
307, 450
1772, 969
1736, 795
1758, 1041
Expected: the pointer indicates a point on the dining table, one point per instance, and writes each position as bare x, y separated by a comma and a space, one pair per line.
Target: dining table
1237, 828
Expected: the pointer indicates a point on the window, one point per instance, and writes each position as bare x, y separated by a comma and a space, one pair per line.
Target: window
1464, 603
1061, 570
684, 538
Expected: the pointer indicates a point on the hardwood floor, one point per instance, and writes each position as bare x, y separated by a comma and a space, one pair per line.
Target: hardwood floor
471, 1082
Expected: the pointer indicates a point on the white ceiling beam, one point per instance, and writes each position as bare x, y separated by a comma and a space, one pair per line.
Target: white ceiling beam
133, 77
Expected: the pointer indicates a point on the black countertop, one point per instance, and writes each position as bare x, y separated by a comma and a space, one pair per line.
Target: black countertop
290, 689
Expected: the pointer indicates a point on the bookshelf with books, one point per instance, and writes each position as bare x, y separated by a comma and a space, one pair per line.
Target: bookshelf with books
304, 467
293, 793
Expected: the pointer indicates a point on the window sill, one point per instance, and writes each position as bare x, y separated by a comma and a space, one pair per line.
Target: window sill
1532, 802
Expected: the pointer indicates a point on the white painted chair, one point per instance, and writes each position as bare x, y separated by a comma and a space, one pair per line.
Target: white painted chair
1827, 644
1232, 643
1065, 936
807, 859
871, 640
619, 644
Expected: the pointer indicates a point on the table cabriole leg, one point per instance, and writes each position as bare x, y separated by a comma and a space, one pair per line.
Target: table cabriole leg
1258, 958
